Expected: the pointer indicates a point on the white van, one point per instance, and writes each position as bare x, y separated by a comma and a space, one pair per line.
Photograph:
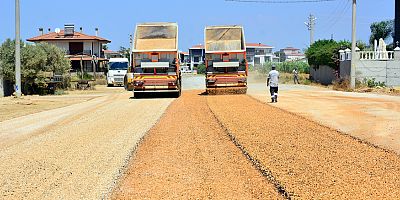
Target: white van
117, 68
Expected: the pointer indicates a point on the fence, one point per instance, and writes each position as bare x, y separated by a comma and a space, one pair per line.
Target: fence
381, 66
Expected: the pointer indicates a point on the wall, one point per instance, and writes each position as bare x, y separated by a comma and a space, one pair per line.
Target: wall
324, 74
387, 71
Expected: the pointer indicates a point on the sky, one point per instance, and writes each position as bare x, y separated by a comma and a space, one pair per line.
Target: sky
278, 25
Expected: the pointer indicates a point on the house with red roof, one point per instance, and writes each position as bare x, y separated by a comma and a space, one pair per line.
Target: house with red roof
84, 51
258, 53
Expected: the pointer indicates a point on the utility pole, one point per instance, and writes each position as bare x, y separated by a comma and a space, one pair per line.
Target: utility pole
311, 27
17, 51
130, 49
353, 47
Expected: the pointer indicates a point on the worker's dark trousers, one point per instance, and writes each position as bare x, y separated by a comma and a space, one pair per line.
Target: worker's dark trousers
296, 80
273, 91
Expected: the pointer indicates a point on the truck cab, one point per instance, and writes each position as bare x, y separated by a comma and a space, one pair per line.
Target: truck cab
117, 68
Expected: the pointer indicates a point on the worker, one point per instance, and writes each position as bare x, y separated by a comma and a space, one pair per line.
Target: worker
272, 82
296, 76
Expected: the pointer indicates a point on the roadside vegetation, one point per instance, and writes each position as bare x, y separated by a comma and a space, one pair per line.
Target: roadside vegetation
285, 71
39, 64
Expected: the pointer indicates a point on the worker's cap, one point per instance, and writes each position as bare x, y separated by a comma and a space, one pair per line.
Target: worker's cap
273, 67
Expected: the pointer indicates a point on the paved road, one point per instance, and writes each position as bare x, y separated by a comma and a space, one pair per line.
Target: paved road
75, 152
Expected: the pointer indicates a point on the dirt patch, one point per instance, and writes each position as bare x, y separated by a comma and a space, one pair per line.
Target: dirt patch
187, 155
11, 107
311, 161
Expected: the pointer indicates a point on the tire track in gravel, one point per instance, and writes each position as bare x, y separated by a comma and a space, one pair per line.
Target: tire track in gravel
188, 155
309, 160
256, 163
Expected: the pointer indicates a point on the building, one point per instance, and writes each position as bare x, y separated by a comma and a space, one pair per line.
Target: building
291, 54
196, 56
84, 51
112, 54
258, 54
184, 61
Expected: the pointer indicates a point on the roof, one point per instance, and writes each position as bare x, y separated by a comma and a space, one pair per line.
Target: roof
184, 53
110, 52
199, 46
258, 45
290, 48
60, 36
118, 60
294, 54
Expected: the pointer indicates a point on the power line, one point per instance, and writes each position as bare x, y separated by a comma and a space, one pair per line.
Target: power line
279, 1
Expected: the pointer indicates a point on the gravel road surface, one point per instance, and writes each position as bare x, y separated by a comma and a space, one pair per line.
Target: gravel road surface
370, 117
75, 152
187, 155
309, 160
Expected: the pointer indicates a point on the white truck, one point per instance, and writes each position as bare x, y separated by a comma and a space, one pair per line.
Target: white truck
117, 68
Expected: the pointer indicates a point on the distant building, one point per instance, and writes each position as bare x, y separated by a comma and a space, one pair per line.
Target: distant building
112, 54
291, 54
184, 61
81, 49
258, 54
196, 56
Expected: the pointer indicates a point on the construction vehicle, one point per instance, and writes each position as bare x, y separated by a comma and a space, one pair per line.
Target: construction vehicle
225, 59
155, 60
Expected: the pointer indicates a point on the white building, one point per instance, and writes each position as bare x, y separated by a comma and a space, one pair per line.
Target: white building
291, 54
196, 56
258, 54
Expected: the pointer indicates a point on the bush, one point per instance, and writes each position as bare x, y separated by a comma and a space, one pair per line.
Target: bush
286, 67
371, 83
201, 69
325, 52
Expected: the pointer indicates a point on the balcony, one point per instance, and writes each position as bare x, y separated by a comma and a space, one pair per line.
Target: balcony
82, 52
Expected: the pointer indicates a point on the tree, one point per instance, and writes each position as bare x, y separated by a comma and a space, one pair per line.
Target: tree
104, 47
383, 29
36, 61
325, 52
7, 67
124, 51
362, 45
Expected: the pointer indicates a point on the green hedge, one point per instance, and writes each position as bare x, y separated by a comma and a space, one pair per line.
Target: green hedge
287, 67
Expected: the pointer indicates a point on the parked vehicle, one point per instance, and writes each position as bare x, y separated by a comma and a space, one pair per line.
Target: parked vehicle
155, 60
117, 68
226, 64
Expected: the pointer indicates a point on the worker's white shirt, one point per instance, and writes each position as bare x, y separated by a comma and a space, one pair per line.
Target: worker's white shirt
273, 76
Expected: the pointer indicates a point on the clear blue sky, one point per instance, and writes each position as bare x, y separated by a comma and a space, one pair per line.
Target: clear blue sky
279, 25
